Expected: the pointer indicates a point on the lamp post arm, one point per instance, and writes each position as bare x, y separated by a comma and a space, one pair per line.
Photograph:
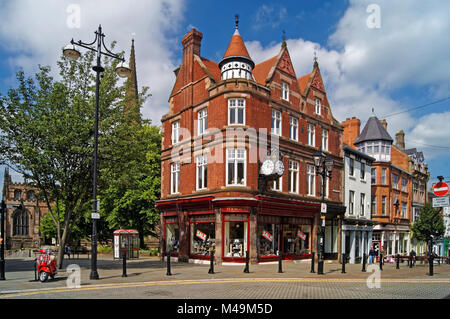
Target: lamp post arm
109, 53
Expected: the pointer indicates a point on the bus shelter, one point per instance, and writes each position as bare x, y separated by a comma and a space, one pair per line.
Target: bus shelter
126, 241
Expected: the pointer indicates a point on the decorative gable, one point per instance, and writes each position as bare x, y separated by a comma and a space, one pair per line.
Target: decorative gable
317, 81
285, 63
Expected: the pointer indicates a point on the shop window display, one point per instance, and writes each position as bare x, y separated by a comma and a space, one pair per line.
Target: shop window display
296, 239
172, 234
235, 235
267, 240
203, 235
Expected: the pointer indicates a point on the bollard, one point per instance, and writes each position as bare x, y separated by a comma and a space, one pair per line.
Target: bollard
430, 261
448, 259
168, 264
410, 262
246, 269
280, 257
343, 263
35, 270
124, 264
211, 266
398, 261
364, 263
312, 262
381, 261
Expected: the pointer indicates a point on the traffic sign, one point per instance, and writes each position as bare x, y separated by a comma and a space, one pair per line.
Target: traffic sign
441, 202
323, 208
95, 215
440, 189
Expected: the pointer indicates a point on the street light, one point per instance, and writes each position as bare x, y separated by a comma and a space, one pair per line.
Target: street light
324, 168
122, 70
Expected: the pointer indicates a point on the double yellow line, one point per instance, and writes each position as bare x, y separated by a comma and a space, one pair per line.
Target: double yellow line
210, 281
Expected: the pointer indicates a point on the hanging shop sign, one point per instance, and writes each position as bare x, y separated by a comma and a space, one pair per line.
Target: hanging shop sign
200, 235
301, 235
267, 235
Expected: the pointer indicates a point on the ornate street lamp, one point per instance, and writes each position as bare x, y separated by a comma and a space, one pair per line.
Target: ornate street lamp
324, 168
122, 70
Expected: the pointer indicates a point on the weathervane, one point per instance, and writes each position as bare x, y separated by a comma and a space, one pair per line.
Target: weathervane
236, 20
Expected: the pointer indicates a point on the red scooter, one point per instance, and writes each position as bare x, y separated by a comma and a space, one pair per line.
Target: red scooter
46, 264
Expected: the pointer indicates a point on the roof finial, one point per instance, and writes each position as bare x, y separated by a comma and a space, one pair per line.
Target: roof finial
236, 20
316, 64
283, 37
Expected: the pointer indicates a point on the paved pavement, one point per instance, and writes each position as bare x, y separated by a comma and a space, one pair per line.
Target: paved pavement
147, 279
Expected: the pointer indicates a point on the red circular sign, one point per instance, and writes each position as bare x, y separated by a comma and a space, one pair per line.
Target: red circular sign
440, 189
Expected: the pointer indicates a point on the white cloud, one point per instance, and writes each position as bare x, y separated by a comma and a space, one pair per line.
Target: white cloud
362, 67
36, 31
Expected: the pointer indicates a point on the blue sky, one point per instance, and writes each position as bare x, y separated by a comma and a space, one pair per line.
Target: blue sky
400, 65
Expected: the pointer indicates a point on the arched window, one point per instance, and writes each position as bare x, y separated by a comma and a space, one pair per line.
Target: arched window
17, 194
20, 223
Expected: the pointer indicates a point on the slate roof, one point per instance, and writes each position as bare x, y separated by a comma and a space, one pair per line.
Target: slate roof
373, 131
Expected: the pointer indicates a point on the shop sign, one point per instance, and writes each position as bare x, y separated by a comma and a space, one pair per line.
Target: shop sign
267, 235
201, 235
301, 235
234, 210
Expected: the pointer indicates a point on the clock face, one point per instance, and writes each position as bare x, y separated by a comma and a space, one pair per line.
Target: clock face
267, 167
279, 168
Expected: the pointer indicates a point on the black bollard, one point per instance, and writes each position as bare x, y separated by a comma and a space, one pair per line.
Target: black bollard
312, 262
280, 257
246, 269
35, 270
410, 262
381, 261
211, 264
364, 263
398, 261
124, 264
168, 264
343, 263
448, 259
430, 261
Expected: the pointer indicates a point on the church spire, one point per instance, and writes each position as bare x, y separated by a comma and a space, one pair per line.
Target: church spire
132, 86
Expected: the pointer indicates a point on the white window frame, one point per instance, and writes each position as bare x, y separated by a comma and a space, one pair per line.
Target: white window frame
277, 184
362, 203
324, 140
293, 128
383, 206
362, 171
404, 186
236, 159
311, 135
276, 119
311, 179
234, 105
394, 183
285, 91
351, 202
374, 205
175, 132
294, 176
175, 175
383, 176
373, 176
404, 209
202, 118
202, 168
351, 167
318, 106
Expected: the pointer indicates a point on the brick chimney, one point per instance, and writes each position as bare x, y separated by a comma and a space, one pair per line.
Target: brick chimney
351, 130
384, 123
191, 46
400, 139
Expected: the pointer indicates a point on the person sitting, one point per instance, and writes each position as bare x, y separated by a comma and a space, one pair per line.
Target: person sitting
67, 251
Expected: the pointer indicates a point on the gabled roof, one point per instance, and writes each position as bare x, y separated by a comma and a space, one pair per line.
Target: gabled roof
303, 82
373, 130
262, 70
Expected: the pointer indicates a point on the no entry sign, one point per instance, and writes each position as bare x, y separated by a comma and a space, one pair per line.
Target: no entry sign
440, 189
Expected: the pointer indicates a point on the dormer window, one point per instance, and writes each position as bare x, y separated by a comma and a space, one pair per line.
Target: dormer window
17, 194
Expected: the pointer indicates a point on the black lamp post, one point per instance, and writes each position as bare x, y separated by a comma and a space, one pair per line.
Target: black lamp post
324, 168
123, 71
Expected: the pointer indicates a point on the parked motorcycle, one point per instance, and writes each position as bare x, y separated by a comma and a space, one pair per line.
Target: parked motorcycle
46, 265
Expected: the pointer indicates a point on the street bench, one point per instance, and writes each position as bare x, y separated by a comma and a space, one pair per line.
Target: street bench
78, 251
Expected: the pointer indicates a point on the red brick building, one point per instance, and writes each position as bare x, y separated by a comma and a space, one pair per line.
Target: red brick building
211, 193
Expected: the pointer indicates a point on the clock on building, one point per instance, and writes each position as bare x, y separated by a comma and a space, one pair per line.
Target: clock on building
267, 167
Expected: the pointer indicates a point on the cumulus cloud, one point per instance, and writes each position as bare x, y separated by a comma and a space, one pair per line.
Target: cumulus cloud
363, 66
36, 31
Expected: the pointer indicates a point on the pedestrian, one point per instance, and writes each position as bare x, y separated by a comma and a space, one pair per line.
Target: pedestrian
68, 251
371, 255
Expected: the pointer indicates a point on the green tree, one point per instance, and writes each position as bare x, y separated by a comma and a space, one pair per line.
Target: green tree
47, 130
132, 177
429, 224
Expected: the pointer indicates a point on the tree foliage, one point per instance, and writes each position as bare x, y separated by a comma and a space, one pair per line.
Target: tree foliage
430, 223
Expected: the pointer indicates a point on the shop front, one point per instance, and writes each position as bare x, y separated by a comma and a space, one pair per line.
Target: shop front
262, 226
